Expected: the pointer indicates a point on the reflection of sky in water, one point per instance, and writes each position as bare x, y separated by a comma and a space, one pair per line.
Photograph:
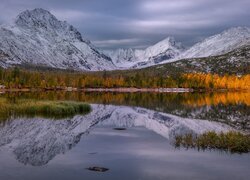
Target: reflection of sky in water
143, 155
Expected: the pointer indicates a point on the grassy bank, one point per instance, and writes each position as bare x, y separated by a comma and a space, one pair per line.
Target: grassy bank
233, 142
48, 109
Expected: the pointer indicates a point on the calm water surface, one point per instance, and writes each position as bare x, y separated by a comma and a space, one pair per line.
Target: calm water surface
38, 148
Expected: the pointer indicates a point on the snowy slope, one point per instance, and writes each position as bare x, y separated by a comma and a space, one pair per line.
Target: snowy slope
135, 58
222, 43
36, 37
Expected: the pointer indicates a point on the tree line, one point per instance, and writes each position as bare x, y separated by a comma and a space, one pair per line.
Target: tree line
19, 78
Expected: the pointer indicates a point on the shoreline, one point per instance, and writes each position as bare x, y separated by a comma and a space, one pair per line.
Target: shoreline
161, 90
124, 90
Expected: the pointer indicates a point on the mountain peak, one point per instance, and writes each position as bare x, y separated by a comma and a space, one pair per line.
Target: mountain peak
238, 29
163, 46
39, 18
168, 43
36, 11
42, 20
169, 39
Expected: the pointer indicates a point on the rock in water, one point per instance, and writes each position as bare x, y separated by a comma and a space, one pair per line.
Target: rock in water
97, 169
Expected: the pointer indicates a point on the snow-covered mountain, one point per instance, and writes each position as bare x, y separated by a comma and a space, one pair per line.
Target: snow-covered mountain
36, 37
136, 58
219, 44
163, 50
169, 51
37, 141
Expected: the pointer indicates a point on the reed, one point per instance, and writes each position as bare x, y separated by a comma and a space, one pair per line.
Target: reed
234, 142
48, 109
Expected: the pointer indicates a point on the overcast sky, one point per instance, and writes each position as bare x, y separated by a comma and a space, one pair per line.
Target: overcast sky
139, 23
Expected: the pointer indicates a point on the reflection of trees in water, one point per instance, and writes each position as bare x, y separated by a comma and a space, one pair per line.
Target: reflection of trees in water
228, 107
140, 98
221, 98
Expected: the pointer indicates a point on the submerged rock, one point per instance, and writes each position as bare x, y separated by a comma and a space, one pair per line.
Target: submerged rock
97, 169
120, 129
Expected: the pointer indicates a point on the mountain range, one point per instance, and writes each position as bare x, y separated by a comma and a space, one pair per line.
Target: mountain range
38, 38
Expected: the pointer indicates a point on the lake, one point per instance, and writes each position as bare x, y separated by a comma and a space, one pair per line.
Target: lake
131, 135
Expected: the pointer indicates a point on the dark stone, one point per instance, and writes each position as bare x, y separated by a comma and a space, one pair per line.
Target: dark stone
120, 129
97, 169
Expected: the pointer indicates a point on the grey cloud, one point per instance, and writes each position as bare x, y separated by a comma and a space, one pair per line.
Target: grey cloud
139, 23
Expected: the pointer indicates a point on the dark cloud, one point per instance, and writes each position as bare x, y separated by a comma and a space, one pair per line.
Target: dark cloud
139, 23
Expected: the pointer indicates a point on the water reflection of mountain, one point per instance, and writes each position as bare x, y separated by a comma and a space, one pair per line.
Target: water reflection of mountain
232, 108
37, 141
